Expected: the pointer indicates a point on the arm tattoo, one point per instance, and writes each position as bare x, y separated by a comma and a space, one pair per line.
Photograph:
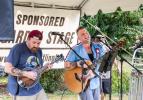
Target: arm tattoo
17, 71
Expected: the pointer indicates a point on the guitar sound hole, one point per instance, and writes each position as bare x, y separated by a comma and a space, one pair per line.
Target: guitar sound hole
77, 77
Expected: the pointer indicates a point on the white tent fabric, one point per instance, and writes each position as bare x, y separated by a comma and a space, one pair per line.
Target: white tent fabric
90, 7
111, 5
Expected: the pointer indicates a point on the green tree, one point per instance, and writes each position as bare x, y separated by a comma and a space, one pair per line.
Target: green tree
117, 25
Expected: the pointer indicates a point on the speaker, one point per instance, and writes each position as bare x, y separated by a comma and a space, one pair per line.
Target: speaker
6, 20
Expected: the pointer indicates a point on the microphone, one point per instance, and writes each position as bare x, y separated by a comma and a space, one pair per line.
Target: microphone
56, 33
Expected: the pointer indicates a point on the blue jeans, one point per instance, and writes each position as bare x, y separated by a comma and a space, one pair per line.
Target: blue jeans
90, 94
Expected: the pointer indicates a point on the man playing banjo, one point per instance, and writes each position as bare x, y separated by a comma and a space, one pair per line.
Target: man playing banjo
26, 55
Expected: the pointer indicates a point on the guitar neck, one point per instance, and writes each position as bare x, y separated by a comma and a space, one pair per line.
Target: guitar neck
41, 70
90, 65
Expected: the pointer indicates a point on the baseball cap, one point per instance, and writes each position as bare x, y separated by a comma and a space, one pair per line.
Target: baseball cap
36, 33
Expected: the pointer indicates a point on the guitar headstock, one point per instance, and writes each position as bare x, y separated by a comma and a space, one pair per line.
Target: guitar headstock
58, 58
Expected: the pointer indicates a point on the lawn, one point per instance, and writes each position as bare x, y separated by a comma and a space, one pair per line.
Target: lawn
65, 97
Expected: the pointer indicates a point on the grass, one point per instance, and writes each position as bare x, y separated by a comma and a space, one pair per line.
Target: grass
3, 80
58, 96
5, 98
65, 97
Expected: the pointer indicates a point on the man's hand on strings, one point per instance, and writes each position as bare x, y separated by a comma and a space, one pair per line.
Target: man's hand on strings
48, 65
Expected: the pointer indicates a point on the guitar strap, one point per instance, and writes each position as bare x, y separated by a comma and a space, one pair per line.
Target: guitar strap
17, 91
97, 57
92, 55
97, 53
36, 55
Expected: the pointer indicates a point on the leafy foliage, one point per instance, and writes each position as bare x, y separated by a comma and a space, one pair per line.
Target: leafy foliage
52, 80
117, 25
116, 84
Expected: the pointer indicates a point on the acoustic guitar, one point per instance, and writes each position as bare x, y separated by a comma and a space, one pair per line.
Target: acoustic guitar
29, 83
78, 78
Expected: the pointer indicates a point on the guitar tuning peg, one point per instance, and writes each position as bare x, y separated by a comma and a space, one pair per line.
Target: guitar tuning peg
88, 62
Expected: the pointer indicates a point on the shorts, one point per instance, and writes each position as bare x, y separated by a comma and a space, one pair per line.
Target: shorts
106, 86
39, 96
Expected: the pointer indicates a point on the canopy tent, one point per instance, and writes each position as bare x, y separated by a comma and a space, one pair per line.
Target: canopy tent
89, 7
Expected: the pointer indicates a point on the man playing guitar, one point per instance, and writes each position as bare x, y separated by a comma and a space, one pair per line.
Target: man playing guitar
89, 52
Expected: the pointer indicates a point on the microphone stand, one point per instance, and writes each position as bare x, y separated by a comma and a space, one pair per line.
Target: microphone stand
121, 60
61, 37
121, 79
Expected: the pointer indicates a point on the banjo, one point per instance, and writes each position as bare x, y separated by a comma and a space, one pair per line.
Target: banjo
29, 83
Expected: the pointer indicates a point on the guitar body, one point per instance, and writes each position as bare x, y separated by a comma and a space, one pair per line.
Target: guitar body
73, 80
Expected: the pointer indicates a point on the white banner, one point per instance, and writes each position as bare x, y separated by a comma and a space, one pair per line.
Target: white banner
46, 20
48, 56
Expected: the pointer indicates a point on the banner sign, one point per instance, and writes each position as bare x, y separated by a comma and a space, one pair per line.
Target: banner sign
6, 20
46, 20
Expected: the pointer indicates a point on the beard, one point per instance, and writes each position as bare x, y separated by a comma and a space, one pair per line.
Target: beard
86, 42
34, 49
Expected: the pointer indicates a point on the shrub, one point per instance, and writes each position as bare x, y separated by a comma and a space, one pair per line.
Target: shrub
116, 84
52, 80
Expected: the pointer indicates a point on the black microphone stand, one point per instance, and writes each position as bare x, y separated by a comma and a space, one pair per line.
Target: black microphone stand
82, 59
121, 79
121, 76
121, 60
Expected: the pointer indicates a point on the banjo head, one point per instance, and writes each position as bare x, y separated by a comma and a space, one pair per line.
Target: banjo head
26, 82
